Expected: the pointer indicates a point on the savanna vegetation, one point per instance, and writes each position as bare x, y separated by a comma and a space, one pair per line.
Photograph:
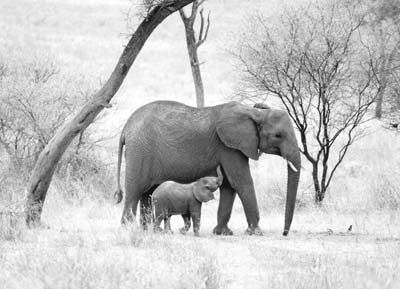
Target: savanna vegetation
56, 54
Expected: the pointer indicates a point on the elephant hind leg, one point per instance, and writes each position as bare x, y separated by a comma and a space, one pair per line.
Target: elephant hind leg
137, 180
128, 216
134, 193
146, 208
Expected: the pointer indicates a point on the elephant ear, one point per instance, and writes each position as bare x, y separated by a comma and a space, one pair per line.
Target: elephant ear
201, 193
237, 129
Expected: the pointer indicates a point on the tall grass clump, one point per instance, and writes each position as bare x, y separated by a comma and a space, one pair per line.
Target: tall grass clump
12, 222
386, 192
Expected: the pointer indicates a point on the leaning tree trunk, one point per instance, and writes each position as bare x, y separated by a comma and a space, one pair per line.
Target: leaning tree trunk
51, 154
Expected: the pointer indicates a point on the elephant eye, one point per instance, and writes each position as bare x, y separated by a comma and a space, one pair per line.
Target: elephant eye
278, 135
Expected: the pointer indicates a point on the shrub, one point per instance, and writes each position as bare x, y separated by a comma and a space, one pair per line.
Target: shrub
12, 222
36, 98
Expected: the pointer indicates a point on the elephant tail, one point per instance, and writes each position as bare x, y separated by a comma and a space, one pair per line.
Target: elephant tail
118, 195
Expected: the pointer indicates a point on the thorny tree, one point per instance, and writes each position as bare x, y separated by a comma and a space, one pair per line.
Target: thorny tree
157, 11
193, 45
314, 62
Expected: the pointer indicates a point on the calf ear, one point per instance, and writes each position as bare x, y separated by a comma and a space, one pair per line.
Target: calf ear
237, 129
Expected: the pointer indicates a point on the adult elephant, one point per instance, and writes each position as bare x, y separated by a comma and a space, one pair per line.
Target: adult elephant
167, 140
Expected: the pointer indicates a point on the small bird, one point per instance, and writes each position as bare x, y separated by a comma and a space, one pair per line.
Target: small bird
349, 229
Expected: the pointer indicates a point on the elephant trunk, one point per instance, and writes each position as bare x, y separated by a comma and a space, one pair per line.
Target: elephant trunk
292, 185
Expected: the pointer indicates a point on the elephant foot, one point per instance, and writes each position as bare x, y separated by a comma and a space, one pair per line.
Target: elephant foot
39, 225
157, 230
222, 230
144, 227
196, 234
127, 219
256, 231
183, 231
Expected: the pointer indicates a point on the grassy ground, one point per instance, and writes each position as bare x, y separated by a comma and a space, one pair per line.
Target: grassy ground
84, 246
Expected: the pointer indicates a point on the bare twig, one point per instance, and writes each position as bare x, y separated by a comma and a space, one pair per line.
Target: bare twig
309, 63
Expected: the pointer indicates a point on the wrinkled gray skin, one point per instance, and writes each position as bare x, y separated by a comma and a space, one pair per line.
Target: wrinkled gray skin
167, 140
171, 198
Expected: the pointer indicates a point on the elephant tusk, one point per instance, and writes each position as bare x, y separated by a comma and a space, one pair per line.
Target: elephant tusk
219, 176
291, 165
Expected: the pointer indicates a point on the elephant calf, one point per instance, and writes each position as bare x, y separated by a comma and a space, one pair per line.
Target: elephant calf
171, 198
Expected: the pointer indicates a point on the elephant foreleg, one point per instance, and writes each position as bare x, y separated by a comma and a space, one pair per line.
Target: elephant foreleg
196, 223
226, 200
186, 227
237, 172
167, 224
159, 216
157, 223
248, 198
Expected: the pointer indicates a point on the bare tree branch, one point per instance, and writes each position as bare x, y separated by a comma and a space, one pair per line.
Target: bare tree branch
193, 44
202, 38
311, 62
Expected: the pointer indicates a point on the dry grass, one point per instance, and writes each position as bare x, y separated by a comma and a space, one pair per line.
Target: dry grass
84, 246
83, 249
12, 225
340, 263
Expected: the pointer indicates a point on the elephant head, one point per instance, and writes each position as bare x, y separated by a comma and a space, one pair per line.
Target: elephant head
261, 129
204, 188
